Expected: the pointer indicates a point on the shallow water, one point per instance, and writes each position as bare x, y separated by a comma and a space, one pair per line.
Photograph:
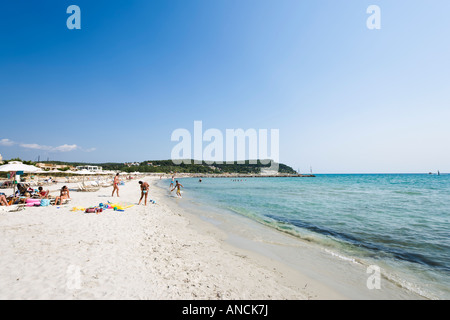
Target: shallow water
398, 222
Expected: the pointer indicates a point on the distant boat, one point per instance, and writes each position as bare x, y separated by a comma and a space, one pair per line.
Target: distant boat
439, 173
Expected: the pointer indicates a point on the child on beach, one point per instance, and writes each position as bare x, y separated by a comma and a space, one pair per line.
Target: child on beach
116, 185
144, 191
178, 186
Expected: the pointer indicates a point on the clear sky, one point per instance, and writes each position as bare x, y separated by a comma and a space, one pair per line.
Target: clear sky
344, 98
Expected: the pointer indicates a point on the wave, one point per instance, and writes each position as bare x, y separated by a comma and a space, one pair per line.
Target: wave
375, 248
327, 246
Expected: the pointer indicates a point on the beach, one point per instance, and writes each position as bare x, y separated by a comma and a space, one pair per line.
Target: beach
149, 252
167, 250
308, 139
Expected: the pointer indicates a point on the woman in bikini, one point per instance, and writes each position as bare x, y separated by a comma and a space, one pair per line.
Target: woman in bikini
63, 195
116, 185
144, 191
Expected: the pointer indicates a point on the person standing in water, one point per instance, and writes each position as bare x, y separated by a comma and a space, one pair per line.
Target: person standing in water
171, 183
144, 191
116, 185
178, 186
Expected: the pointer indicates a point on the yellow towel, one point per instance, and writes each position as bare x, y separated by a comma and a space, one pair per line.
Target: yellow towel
78, 209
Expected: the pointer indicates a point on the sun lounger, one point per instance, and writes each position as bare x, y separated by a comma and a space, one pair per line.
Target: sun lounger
6, 185
87, 188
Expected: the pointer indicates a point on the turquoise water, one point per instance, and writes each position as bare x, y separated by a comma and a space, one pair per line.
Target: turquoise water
399, 222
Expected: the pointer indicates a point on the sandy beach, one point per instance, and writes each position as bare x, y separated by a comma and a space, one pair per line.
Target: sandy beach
151, 252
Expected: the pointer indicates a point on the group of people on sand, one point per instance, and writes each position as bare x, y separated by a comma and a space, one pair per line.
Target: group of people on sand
144, 189
65, 194
23, 193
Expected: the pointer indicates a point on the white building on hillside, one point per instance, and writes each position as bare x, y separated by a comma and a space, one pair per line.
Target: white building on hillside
90, 168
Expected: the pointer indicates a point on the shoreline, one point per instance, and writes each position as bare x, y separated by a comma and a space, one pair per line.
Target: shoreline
329, 269
162, 251
142, 253
284, 274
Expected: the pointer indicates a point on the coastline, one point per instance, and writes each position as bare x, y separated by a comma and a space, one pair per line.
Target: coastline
328, 273
162, 251
284, 275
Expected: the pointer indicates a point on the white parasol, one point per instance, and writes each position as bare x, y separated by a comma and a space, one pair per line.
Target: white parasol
84, 173
18, 166
15, 166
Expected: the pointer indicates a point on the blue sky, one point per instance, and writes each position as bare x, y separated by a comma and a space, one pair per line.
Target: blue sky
344, 98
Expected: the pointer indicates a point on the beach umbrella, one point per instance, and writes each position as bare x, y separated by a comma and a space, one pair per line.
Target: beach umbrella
15, 166
18, 166
84, 173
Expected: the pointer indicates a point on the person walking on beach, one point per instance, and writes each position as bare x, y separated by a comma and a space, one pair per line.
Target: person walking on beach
178, 186
116, 185
171, 183
144, 191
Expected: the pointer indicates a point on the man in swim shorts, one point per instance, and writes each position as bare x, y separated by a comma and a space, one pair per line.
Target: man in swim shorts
144, 191
178, 186
116, 185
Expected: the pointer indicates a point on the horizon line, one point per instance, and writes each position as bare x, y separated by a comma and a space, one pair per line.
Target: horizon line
235, 162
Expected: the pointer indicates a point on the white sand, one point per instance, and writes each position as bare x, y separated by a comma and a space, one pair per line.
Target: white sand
148, 252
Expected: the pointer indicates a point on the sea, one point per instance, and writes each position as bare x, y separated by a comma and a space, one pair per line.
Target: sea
399, 222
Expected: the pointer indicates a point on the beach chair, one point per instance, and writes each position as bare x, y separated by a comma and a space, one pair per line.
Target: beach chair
106, 184
92, 188
4, 185
87, 188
